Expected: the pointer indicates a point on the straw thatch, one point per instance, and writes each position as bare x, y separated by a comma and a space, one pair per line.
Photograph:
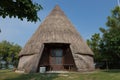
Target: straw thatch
56, 28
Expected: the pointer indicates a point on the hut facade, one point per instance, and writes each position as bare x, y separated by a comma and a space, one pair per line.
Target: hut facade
57, 46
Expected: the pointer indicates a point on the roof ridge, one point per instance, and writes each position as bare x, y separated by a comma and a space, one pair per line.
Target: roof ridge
57, 11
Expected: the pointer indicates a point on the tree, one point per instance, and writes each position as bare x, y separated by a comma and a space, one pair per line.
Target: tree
107, 47
20, 8
9, 52
111, 36
94, 43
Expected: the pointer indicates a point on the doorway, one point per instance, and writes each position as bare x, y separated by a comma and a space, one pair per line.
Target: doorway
56, 59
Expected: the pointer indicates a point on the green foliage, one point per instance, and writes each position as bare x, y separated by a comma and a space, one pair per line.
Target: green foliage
109, 43
9, 52
114, 19
94, 43
20, 8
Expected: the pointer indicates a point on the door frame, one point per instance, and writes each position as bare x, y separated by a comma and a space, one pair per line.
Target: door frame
54, 59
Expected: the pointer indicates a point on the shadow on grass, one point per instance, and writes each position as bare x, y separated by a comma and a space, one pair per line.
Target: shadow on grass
112, 71
35, 76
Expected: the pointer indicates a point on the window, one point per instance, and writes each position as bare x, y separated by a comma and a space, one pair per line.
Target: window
57, 56
57, 52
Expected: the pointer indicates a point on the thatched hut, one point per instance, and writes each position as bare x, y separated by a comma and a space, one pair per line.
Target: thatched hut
57, 46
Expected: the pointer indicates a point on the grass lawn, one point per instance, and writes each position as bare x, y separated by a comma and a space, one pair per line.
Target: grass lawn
96, 75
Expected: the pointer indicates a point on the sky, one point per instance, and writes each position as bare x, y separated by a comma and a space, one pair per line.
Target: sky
86, 15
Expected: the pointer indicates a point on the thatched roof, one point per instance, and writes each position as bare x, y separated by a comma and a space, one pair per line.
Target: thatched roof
56, 28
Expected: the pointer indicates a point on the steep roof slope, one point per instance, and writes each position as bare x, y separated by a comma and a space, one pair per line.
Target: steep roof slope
56, 28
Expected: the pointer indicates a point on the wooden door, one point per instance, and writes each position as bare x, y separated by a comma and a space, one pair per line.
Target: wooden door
56, 59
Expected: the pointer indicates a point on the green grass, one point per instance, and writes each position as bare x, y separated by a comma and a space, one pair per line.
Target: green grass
96, 75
